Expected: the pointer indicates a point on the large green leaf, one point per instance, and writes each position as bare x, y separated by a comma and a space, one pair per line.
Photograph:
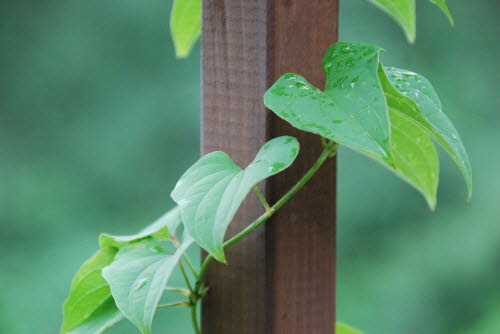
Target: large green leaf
341, 328
358, 89
163, 228
104, 317
414, 156
89, 290
138, 276
185, 25
404, 13
211, 191
352, 109
413, 96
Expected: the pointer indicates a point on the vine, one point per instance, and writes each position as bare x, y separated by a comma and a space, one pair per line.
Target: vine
389, 114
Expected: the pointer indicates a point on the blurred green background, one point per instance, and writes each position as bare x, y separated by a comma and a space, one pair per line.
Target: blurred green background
98, 120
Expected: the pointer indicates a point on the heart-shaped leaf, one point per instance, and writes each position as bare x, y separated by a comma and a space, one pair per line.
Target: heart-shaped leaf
104, 317
403, 12
352, 109
413, 96
211, 191
341, 328
138, 277
162, 229
185, 25
89, 290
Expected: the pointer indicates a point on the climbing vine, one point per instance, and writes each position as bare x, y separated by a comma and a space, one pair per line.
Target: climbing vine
391, 115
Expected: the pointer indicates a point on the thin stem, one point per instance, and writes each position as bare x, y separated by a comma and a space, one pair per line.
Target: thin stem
329, 150
183, 304
262, 198
185, 292
183, 272
194, 319
184, 256
190, 265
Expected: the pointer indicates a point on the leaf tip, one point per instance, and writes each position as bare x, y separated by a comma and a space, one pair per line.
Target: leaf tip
411, 38
432, 203
181, 53
469, 196
219, 255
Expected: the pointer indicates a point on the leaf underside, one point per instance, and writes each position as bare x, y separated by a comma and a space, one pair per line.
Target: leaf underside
162, 229
185, 25
104, 317
405, 100
210, 192
413, 96
138, 277
89, 290
404, 13
415, 157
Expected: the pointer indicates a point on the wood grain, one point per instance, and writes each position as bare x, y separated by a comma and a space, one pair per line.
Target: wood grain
280, 279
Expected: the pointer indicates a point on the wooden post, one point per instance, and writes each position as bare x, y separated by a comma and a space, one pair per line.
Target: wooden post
280, 279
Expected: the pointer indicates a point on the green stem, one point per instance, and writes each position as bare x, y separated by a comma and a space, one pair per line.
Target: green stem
184, 304
262, 198
185, 292
194, 319
328, 151
183, 272
190, 265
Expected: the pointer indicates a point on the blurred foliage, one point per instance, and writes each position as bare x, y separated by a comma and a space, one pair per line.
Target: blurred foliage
98, 120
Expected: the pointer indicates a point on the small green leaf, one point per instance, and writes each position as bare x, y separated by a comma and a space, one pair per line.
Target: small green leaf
211, 191
403, 12
89, 290
185, 25
138, 277
352, 109
413, 96
163, 228
341, 328
104, 317
442, 4
414, 156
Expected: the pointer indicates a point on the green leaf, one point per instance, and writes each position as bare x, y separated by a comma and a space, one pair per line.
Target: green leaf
104, 317
210, 192
138, 277
403, 12
341, 328
352, 109
414, 156
89, 290
413, 96
163, 228
360, 97
185, 25
442, 4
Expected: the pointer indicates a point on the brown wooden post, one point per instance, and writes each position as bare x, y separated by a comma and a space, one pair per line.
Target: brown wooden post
280, 279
